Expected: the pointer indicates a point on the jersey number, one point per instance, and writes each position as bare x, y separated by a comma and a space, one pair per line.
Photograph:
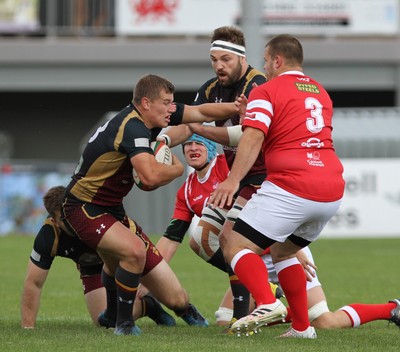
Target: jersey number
315, 123
100, 129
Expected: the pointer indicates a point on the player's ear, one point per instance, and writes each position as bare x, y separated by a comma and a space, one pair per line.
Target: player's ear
278, 61
145, 103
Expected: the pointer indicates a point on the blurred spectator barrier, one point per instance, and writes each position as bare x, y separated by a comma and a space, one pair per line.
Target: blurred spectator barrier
187, 17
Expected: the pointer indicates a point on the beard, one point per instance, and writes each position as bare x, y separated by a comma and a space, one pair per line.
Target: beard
231, 79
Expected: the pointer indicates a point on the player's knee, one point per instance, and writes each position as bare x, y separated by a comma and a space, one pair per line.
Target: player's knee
134, 252
179, 301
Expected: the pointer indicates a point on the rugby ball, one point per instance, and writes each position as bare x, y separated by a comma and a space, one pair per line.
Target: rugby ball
163, 155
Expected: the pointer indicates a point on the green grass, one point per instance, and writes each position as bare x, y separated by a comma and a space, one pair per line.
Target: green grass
362, 270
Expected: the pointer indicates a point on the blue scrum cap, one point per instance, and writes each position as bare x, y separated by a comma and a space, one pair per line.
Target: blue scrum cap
210, 145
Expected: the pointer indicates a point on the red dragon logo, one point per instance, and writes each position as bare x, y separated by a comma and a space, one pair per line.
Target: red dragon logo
155, 9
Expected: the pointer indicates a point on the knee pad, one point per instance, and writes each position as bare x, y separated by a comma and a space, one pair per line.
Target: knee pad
206, 233
224, 314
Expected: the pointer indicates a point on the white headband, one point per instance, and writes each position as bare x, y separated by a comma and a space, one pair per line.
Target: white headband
230, 47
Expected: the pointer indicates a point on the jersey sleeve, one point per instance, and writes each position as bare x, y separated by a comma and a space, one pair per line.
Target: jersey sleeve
176, 230
42, 246
177, 116
181, 210
259, 109
136, 138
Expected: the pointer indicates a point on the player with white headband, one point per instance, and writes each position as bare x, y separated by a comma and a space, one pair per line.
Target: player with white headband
234, 76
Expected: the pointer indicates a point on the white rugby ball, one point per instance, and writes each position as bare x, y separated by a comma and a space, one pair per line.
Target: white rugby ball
162, 154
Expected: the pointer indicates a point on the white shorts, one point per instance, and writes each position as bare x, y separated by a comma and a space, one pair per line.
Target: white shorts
277, 214
272, 275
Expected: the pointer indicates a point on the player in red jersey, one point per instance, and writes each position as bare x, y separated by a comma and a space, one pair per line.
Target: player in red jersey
349, 316
290, 120
209, 170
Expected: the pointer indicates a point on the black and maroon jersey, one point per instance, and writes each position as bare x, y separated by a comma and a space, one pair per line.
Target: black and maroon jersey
51, 242
213, 92
104, 173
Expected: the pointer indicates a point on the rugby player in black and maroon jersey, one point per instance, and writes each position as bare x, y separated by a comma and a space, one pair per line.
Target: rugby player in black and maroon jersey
93, 208
234, 76
52, 240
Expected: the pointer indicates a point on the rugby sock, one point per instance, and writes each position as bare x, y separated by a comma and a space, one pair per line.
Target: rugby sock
127, 284
218, 260
251, 271
111, 295
241, 295
293, 281
152, 308
363, 313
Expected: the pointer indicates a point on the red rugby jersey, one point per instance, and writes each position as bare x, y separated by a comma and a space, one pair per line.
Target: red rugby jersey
295, 113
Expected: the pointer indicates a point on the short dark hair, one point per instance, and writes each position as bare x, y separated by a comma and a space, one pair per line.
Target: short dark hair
53, 199
229, 34
287, 46
150, 86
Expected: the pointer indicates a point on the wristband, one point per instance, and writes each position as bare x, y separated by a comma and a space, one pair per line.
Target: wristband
166, 138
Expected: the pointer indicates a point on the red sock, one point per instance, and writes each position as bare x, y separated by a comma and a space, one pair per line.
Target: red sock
293, 282
363, 313
253, 273
288, 317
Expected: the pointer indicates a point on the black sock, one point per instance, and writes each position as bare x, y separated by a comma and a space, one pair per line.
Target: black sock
111, 295
127, 284
241, 296
218, 260
150, 307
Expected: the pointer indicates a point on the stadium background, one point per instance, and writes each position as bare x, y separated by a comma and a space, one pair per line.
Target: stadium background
64, 66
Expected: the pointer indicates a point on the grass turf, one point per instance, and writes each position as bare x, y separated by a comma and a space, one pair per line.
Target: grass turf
362, 270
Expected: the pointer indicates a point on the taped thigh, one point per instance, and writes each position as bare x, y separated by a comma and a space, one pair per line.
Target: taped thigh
207, 231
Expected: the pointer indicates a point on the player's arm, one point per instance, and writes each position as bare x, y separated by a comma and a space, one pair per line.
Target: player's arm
154, 174
223, 135
209, 112
173, 237
30, 302
175, 135
248, 150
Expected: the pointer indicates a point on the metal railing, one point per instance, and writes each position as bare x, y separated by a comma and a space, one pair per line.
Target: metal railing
58, 17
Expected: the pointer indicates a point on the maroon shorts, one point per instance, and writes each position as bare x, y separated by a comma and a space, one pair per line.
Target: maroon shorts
249, 185
90, 221
91, 283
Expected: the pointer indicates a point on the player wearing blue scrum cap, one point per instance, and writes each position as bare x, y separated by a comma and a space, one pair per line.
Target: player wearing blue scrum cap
210, 146
209, 170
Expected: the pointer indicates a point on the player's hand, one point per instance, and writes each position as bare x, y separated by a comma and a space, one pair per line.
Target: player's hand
223, 194
241, 104
141, 292
308, 266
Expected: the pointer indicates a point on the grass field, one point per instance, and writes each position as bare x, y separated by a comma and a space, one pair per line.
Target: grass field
350, 270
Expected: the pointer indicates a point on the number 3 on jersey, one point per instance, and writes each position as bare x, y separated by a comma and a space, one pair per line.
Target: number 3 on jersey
315, 123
